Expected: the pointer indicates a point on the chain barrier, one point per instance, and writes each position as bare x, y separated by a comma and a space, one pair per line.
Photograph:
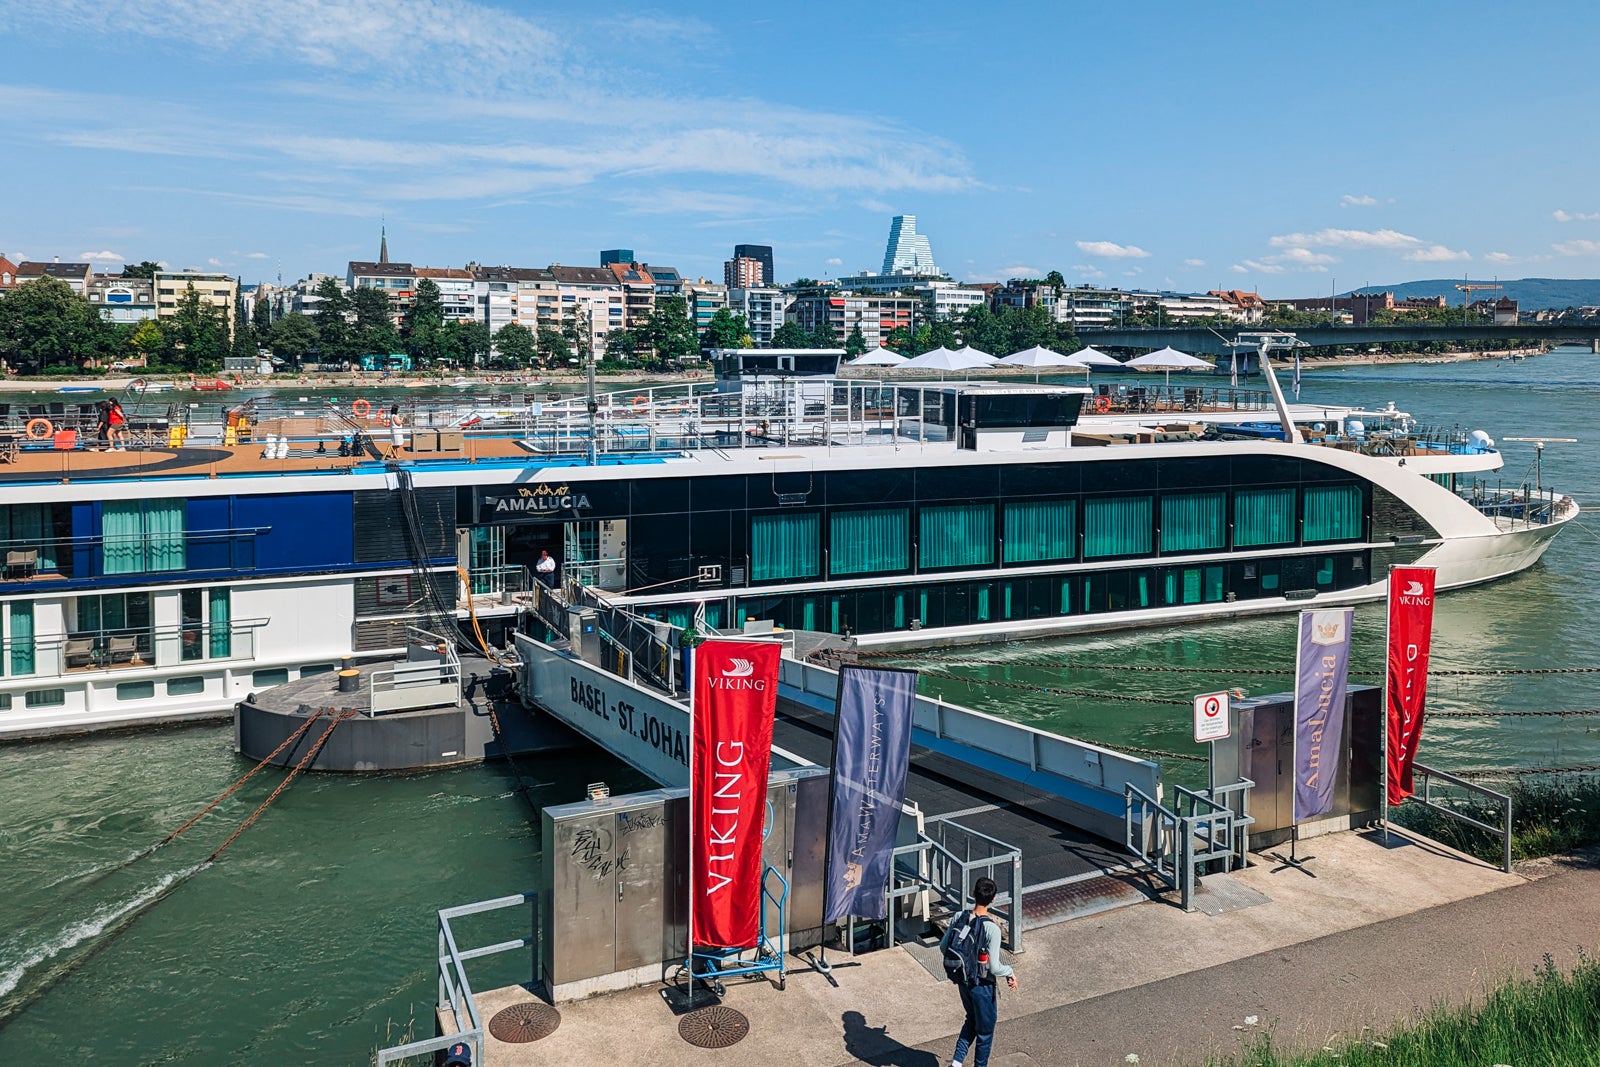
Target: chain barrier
1527, 772
310, 755
1091, 693
1072, 665
1156, 752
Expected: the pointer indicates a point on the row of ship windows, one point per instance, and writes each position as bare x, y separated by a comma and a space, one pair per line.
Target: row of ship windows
785, 546
189, 685
1055, 596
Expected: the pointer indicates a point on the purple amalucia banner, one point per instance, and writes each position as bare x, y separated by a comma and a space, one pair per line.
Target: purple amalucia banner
871, 754
1322, 670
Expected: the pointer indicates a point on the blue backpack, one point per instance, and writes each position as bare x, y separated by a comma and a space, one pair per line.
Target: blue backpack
967, 939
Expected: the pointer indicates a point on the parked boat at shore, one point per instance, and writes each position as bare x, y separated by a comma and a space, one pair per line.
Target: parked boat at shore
240, 547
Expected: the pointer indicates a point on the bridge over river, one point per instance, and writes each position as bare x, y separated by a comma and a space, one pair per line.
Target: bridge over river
1214, 341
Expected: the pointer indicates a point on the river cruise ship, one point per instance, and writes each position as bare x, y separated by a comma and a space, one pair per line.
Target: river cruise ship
233, 548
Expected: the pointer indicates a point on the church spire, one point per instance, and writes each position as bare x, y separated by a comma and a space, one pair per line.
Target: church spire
383, 245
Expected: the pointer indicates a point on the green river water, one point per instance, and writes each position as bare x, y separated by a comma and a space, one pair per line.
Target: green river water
311, 940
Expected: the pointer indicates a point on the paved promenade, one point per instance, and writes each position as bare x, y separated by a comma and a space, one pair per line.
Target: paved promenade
1380, 931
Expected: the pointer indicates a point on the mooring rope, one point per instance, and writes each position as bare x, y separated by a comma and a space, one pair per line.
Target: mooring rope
1153, 668
1057, 690
1526, 772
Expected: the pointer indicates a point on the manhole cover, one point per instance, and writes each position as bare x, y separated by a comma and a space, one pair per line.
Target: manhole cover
522, 1023
715, 1027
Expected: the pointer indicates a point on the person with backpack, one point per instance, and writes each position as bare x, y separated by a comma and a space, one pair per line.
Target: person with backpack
971, 951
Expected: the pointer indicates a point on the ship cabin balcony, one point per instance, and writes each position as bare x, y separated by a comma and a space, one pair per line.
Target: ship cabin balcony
87, 651
148, 553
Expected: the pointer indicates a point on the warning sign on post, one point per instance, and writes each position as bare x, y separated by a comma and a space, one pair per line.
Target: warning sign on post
1211, 717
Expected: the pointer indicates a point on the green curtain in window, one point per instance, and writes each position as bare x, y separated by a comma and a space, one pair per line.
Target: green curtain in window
1039, 530
122, 523
1263, 517
1193, 522
164, 541
21, 612
29, 526
1066, 596
958, 535
784, 546
1116, 526
1213, 584
1333, 513
867, 542
221, 628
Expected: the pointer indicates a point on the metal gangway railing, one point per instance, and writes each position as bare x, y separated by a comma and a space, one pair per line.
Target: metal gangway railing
939, 869
430, 676
457, 1002
1452, 797
1200, 827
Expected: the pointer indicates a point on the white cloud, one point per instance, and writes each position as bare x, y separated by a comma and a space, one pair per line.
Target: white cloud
1578, 216
1256, 266
1088, 272
256, 255
1435, 254
1112, 250
214, 262
1304, 257
1348, 200
1333, 238
1193, 264
101, 257
1133, 272
1577, 248
834, 261
1020, 272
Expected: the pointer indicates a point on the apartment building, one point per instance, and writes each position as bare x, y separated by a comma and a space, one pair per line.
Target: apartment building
120, 299
702, 300
398, 281
76, 275
592, 294
8, 275
763, 310
638, 293
218, 290
743, 272
843, 312
458, 292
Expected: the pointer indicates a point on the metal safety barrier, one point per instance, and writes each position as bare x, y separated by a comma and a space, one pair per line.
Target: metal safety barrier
457, 1002
1199, 828
1424, 777
958, 856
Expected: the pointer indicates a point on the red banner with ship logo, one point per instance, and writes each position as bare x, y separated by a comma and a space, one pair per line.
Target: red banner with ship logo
735, 695
1410, 637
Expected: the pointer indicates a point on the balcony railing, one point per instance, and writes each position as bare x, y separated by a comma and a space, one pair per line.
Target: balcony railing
56, 655
33, 558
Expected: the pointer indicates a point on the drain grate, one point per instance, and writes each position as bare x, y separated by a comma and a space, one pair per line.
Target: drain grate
522, 1023
715, 1027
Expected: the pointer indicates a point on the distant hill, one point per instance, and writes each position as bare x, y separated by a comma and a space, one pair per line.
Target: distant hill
1531, 294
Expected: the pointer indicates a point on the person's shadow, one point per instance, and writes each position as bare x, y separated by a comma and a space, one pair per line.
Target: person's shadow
872, 1044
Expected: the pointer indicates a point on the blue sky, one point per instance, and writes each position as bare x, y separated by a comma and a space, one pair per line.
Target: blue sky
1280, 147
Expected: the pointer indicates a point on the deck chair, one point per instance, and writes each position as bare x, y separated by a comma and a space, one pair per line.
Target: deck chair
122, 649
22, 561
79, 651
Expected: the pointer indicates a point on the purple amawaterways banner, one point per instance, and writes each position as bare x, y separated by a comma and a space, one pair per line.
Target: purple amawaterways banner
871, 753
1322, 669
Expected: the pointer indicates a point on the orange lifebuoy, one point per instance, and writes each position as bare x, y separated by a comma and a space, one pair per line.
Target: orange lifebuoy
1102, 404
361, 408
44, 427
383, 418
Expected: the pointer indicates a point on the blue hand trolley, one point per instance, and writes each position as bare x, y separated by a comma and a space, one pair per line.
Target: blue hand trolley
713, 965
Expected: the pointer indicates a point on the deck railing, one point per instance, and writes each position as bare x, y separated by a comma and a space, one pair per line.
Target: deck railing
55, 655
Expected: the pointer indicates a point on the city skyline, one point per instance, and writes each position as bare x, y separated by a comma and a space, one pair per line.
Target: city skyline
1173, 154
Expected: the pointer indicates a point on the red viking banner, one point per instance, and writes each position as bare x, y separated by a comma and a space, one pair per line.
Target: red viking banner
1406, 685
735, 695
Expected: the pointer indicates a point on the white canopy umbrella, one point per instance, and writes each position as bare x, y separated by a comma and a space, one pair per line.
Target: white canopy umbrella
877, 357
941, 359
983, 358
1093, 357
1040, 357
1167, 359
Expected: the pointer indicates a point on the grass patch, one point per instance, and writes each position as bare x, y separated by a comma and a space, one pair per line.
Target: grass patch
1547, 816
1549, 1019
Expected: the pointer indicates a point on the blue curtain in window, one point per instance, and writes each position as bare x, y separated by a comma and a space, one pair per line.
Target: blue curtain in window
122, 524
1263, 517
959, 535
22, 660
164, 535
785, 546
1333, 513
1193, 522
221, 624
869, 542
1116, 526
1041, 530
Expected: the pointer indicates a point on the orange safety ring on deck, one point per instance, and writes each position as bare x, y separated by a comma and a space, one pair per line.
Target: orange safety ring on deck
43, 426
361, 408
1102, 403
383, 418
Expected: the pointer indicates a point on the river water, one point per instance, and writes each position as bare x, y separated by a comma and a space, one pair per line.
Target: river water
310, 941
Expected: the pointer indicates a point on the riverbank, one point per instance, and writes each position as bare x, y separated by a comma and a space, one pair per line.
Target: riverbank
570, 381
